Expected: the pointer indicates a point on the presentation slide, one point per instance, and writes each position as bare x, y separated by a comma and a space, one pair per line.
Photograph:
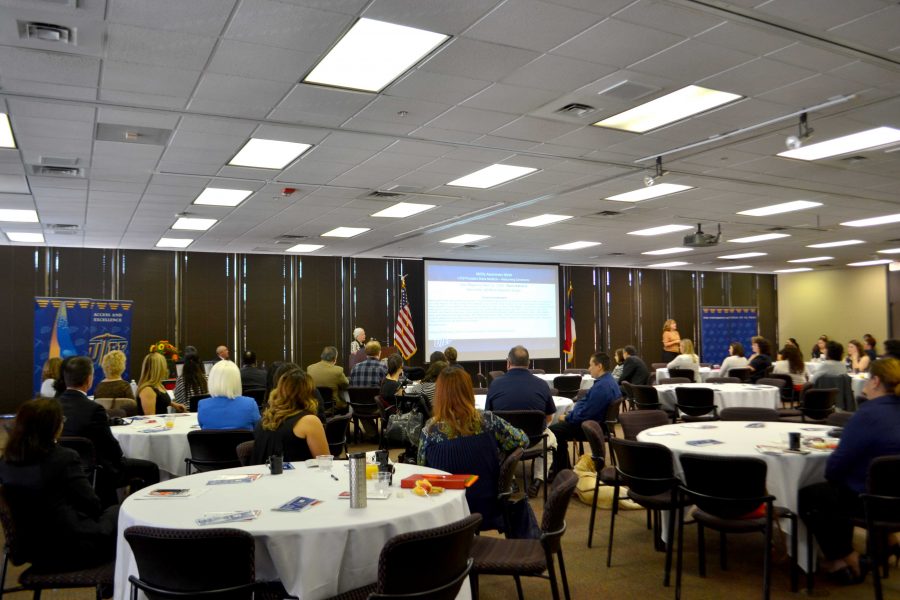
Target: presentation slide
484, 309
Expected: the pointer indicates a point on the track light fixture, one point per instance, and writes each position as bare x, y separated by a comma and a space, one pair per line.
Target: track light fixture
650, 180
804, 132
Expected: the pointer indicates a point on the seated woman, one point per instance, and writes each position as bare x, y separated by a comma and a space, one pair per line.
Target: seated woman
857, 357
153, 399
620, 363
226, 408
828, 508
734, 360
390, 387
791, 363
59, 518
870, 343
761, 359
192, 381
49, 375
426, 387
818, 351
113, 386
289, 426
461, 439
687, 359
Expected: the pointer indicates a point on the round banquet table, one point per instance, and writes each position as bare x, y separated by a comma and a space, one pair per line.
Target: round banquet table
705, 373
149, 439
562, 404
586, 380
786, 473
727, 395
316, 553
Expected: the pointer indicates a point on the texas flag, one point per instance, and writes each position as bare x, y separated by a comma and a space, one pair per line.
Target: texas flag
569, 343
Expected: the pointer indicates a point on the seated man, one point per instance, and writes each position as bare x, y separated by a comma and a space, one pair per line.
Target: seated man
327, 373
252, 377
833, 365
520, 390
592, 407
222, 353
85, 418
371, 371
634, 369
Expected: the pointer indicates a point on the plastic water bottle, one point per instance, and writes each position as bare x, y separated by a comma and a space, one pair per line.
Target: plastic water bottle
134, 389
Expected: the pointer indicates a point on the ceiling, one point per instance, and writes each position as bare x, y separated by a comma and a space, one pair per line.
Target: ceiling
195, 80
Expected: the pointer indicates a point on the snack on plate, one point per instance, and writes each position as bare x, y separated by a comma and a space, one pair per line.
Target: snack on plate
423, 487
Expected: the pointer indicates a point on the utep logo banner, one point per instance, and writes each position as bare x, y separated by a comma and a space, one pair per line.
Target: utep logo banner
66, 327
721, 325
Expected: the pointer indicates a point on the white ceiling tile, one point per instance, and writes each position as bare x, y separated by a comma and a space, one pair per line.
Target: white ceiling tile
287, 26
233, 57
617, 43
28, 127
447, 89
479, 60
756, 77
308, 103
746, 38
154, 47
669, 17
48, 67
692, 61
201, 17
531, 24
538, 130
810, 57
165, 81
450, 18
510, 98
463, 118
819, 14
137, 118
143, 99
14, 184
258, 96
392, 109
557, 73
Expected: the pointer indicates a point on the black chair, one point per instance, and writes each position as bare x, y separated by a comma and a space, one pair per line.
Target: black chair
788, 396
362, 401
538, 371
686, 373
612, 417
648, 472
336, 433
636, 421
722, 380
742, 373
839, 418
576, 372
567, 386
213, 449
748, 413
194, 401
505, 488
533, 423
414, 373
85, 449
881, 507
605, 474
244, 452
815, 406
695, 404
528, 557
845, 400
673, 380
258, 395
646, 397
628, 393
327, 394
431, 563
36, 579
222, 563
727, 491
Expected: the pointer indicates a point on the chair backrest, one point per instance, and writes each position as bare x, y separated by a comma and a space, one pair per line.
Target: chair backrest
327, 399
244, 452
194, 401
213, 449
722, 380
686, 373
169, 384
258, 395
695, 401
128, 405
613, 410
481, 380
492, 375
817, 404
362, 399
787, 389
881, 499
85, 449
748, 413
532, 422
673, 380
575, 372
628, 390
508, 472
214, 559
845, 398
646, 469
645, 397
553, 521
537, 371
428, 563
336, 433
737, 483
742, 373
593, 433
414, 373
567, 383
839, 419
655, 366
635, 421
14, 552
773, 381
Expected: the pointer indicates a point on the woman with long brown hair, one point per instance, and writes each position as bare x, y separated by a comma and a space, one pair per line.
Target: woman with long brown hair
671, 340
791, 363
289, 426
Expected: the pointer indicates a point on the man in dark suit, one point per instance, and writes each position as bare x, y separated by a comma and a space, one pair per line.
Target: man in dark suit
252, 377
518, 389
634, 370
85, 418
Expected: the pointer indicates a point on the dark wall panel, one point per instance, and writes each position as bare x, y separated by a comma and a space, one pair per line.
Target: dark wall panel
742, 289
148, 278
712, 289
621, 308
21, 270
265, 300
652, 303
81, 273
682, 292
415, 294
207, 306
373, 284
767, 296
320, 321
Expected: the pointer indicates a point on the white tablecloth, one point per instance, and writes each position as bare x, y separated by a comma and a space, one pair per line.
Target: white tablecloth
786, 473
586, 380
167, 449
858, 382
727, 395
705, 372
325, 550
562, 404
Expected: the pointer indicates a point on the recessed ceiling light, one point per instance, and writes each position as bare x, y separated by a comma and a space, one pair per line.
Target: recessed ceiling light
540, 220
491, 176
222, 196
575, 245
667, 251
661, 230
759, 238
871, 138
373, 54
304, 248
836, 244
797, 270
775, 209
6, 135
890, 251
734, 267
173, 242
813, 259
403, 209
267, 154
466, 238
345, 232
646, 193
18, 216
20, 236
873, 221
193, 223
674, 263
742, 255
869, 263
678, 105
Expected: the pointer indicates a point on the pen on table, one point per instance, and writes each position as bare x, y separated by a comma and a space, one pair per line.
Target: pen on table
333, 477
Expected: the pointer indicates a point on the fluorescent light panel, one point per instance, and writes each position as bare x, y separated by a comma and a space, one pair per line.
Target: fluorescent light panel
812, 259
21, 236
403, 209
797, 270
345, 232
664, 265
863, 140
873, 221
540, 220
776, 209
373, 54
646, 193
6, 135
212, 196
661, 230
836, 244
890, 251
869, 263
680, 104
575, 245
193, 224
304, 248
466, 238
759, 238
267, 154
743, 255
491, 176
665, 251
13, 215
734, 267
173, 242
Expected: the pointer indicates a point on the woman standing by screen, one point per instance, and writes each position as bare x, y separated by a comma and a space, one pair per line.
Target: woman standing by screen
671, 340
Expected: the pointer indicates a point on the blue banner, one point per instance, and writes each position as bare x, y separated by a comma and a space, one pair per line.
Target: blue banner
66, 327
722, 325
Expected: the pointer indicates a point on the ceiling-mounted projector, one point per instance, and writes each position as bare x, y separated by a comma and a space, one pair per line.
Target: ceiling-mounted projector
698, 239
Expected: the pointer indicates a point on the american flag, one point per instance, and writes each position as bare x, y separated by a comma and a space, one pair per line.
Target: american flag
569, 343
404, 335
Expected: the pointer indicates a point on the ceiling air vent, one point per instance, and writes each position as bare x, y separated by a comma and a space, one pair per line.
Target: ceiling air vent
616, 254
57, 171
627, 90
289, 239
46, 32
852, 160
575, 109
377, 194
608, 213
64, 228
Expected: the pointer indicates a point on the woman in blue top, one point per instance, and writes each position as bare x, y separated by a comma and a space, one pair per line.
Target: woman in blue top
226, 408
